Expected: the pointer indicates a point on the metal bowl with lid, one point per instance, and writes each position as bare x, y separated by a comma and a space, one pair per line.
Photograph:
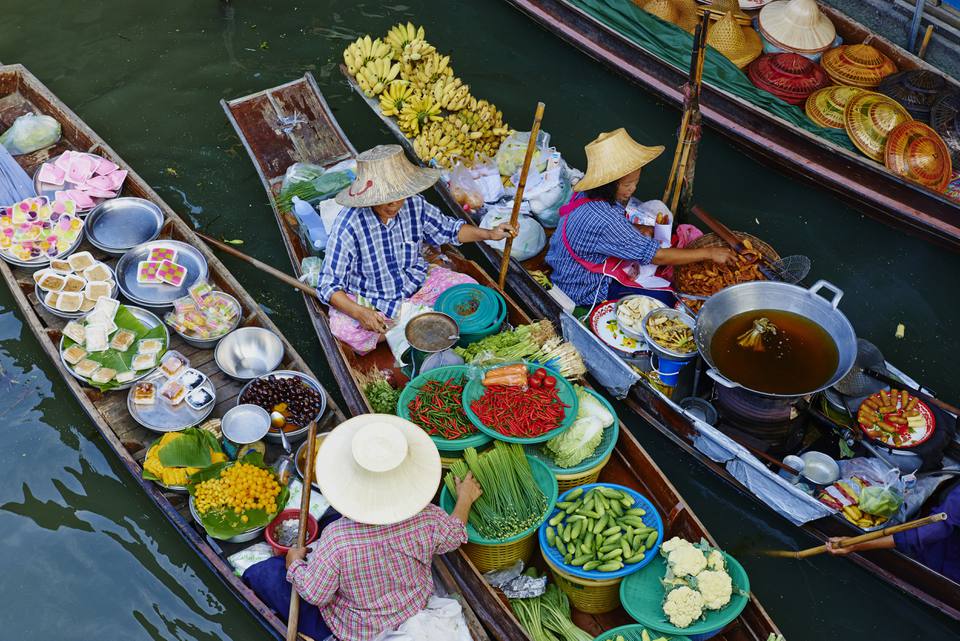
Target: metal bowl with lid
159, 295
120, 224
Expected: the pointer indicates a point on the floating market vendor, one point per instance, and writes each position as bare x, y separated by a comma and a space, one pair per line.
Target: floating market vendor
596, 253
371, 569
936, 545
373, 255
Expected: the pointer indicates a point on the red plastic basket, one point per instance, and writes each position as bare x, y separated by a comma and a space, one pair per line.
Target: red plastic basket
291, 513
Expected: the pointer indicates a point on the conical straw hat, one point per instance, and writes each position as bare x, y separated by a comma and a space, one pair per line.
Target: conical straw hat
857, 65
378, 469
719, 8
825, 106
869, 118
915, 89
789, 76
916, 152
945, 120
796, 25
613, 155
384, 175
666, 10
741, 45
688, 14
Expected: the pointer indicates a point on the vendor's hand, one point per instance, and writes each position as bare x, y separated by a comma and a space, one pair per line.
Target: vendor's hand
721, 255
371, 319
295, 554
468, 489
646, 230
501, 231
833, 547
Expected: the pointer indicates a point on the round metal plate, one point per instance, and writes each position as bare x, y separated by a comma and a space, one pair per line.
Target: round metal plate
163, 417
122, 223
159, 295
50, 191
41, 294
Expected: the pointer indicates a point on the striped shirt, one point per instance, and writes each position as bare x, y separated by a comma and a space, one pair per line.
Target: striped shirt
596, 231
383, 263
369, 578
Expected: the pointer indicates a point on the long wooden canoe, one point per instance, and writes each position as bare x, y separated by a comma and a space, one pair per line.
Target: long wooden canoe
866, 184
20, 93
894, 567
254, 117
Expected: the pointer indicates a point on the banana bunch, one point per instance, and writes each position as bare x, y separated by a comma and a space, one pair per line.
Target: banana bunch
401, 35
364, 50
428, 71
436, 143
374, 76
450, 93
418, 112
479, 119
416, 51
395, 96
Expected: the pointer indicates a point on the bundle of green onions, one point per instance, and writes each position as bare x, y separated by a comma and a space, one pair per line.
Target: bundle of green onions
562, 357
511, 345
511, 502
547, 617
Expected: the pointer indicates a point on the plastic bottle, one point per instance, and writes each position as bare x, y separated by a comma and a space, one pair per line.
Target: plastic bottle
310, 221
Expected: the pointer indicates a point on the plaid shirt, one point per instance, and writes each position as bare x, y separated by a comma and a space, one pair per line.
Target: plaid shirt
381, 262
369, 578
596, 231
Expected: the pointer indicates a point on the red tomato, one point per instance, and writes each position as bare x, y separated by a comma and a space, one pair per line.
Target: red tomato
540, 373
534, 382
549, 382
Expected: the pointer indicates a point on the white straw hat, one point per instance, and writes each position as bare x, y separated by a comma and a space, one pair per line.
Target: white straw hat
796, 25
384, 175
613, 155
378, 469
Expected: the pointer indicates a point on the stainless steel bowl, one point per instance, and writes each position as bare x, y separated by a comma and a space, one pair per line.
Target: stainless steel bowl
245, 424
210, 343
300, 432
820, 469
623, 328
158, 295
248, 352
240, 538
658, 349
302, 456
120, 224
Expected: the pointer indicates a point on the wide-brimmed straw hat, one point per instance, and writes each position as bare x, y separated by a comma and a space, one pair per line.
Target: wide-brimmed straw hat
869, 118
682, 13
378, 469
613, 155
796, 25
384, 175
741, 45
857, 65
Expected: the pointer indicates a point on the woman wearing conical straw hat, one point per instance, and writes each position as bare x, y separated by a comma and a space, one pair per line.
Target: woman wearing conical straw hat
371, 569
373, 257
596, 253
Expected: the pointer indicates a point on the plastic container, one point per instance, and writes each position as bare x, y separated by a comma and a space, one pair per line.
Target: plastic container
479, 311
446, 446
313, 529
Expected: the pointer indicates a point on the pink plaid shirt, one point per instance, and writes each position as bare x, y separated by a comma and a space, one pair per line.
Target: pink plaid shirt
369, 578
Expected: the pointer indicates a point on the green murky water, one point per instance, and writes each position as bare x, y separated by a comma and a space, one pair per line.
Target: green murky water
86, 555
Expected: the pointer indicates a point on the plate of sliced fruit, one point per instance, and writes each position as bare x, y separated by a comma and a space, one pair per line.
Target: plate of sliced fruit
896, 418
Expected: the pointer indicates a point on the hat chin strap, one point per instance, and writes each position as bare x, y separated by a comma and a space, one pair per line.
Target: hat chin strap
379, 447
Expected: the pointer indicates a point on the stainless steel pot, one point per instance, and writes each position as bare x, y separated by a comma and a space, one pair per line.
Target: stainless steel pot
758, 295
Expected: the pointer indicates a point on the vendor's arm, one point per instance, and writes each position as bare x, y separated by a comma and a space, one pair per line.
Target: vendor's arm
677, 256
472, 234
449, 531
316, 581
369, 318
883, 543
621, 239
439, 229
468, 491
340, 259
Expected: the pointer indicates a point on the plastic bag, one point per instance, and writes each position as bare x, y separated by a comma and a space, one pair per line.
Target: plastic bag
552, 193
512, 150
486, 175
312, 183
465, 189
530, 239
30, 132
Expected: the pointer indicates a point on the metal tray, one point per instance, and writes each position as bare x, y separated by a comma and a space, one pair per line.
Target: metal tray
158, 295
50, 191
39, 293
44, 261
120, 224
146, 317
162, 417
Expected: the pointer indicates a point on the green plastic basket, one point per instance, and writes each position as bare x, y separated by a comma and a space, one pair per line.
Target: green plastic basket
642, 594
607, 443
633, 632
440, 374
474, 389
544, 479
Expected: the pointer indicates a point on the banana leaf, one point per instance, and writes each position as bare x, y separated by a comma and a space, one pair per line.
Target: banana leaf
121, 361
192, 449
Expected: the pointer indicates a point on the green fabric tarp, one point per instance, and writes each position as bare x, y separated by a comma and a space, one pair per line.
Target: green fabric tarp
674, 45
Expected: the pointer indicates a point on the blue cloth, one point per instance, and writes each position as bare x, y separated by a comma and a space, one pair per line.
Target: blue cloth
383, 263
596, 231
937, 545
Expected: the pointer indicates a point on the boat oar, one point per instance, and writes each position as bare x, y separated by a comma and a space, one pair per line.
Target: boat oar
293, 620
853, 540
518, 198
276, 273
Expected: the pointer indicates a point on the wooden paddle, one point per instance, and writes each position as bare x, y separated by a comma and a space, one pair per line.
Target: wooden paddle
518, 198
853, 540
276, 273
293, 620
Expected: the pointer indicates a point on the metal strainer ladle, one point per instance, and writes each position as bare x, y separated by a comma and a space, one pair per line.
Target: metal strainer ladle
857, 382
791, 269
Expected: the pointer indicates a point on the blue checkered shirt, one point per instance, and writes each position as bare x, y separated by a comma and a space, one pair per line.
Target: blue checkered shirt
596, 231
383, 263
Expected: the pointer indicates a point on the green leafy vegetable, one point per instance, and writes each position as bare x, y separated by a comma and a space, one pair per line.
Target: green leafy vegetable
515, 344
577, 444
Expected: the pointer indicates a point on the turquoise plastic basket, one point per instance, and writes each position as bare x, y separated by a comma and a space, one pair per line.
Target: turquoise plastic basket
479, 311
474, 389
642, 597
440, 374
609, 441
544, 480
633, 632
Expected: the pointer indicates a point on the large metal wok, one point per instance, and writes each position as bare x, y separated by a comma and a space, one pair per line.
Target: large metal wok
758, 295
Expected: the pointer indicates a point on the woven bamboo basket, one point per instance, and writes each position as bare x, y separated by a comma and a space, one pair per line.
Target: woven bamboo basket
681, 273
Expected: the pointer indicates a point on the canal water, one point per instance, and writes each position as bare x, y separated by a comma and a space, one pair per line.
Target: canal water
86, 555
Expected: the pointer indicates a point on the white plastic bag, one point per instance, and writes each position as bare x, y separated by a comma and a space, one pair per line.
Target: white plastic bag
464, 188
530, 239
30, 132
514, 148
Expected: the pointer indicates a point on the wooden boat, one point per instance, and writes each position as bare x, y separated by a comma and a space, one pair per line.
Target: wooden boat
255, 117
21, 92
865, 184
894, 567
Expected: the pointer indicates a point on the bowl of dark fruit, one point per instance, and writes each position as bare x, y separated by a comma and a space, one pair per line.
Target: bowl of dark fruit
291, 398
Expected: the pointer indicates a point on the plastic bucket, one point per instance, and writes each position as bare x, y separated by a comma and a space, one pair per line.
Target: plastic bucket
667, 369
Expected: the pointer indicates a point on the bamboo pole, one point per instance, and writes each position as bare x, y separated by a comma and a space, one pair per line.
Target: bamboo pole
682, 131
518, 198
276, 273
926, 42
293, 620
853, 540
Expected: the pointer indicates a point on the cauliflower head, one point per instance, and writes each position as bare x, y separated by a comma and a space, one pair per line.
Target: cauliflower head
683, 606
715, 561
716, 588
684, 559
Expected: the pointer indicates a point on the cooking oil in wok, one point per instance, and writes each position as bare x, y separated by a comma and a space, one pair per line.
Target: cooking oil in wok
784, 354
